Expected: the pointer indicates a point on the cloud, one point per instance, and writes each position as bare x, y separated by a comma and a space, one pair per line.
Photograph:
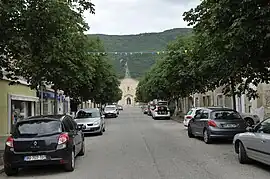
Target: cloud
137, 16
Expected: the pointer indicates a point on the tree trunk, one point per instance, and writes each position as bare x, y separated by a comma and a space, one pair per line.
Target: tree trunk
176, 106
55, 102
233, 93
81, 102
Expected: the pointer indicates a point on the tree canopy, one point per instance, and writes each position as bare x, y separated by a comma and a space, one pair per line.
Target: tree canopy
229, 48
44, 42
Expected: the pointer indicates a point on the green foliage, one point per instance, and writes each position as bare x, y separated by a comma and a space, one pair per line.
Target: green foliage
147, 42
44, 42
230, 48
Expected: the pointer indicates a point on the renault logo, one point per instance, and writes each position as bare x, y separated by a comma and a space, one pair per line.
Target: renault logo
35, 143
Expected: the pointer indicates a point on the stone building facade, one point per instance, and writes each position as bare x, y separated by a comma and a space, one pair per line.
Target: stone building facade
128, 86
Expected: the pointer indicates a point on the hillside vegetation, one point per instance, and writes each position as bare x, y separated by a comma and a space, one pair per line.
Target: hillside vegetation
146, 42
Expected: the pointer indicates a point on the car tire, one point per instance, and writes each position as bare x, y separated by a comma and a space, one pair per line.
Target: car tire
70, 166
242, 154
9, 171
190, 134
82, 152
104, 129
249, 122
206, 137
101, 132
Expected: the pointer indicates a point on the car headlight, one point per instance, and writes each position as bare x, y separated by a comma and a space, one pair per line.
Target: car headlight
96, 122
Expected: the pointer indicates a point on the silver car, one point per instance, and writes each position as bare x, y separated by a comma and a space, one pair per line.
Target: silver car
111, 111
91, 120
254, 144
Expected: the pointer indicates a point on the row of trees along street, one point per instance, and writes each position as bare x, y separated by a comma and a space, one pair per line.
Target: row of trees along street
229, 47
44, 42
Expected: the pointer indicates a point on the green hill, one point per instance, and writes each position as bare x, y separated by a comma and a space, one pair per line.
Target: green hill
146, 42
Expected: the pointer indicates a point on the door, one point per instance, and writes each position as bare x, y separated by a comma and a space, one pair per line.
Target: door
76, 133
195, 123
202, 122
262, 146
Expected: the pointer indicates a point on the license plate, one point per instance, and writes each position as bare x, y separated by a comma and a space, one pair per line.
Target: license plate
35, 158
230, 125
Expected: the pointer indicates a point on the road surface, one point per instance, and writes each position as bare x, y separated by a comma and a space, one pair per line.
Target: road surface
137, 147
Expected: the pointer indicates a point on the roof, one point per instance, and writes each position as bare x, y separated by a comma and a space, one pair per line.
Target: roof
89, 109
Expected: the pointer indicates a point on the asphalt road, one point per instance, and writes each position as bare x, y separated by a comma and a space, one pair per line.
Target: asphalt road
137, 147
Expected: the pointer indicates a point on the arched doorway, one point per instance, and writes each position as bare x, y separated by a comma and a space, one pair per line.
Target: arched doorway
128, 101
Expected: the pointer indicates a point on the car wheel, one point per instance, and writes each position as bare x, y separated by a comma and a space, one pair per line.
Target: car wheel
190, 134
101, 132
70, 166
242, 155
206, 137
249, 122
104, 128
9, 171
81, 153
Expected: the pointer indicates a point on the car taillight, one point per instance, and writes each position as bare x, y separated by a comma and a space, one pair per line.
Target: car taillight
212, 123
9, 142
189, 117
63, 138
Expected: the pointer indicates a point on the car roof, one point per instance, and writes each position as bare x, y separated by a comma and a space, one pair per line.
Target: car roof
59, 117
112, 105
89, 109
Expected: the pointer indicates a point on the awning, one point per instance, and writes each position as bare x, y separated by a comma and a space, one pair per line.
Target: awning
23, 98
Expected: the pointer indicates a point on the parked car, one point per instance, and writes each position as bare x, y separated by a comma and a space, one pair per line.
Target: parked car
120, 107
150, 109
251, 119
254, 144
43, 140
190, 114
91, 121
161, 112
145, 109
111, 111
213, 123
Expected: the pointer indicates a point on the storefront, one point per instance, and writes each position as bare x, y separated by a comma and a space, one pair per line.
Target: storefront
47, 106
20, 107
16, 101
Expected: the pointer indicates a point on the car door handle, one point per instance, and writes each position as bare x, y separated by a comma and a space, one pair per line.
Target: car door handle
263, 141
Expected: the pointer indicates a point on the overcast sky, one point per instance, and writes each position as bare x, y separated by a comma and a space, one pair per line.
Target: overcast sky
119, 17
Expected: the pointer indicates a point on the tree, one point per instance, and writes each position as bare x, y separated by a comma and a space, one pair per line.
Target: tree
233, 43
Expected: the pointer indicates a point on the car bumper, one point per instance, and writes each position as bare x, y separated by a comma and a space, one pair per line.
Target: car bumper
92, 130
226, 134
185, 122
107, 115
16, 159
161, 115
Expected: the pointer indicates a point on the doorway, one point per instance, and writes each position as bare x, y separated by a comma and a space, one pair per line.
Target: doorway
128, 101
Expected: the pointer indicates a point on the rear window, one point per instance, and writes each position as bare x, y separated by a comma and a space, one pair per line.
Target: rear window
225, 115
85, 114
162, 103
38, 127
190, 112
110, 108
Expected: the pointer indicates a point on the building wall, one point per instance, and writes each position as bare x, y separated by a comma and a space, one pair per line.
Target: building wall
128, 87
5, 90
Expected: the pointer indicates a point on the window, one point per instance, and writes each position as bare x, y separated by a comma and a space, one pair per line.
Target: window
190, 112
71, 126
66, 125
225, 115
86, 114
205, 115
38, 128
264, 127
198, 114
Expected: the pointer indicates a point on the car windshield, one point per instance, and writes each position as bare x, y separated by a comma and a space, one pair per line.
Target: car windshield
225, 115
38, 128
85, 114
109, 108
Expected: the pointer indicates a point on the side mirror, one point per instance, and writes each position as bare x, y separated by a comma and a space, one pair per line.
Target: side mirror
102, 116
250, 129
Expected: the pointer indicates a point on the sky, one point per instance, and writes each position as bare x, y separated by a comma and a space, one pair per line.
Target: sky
123, 17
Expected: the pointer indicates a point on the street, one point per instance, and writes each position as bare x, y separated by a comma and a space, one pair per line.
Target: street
135, 146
